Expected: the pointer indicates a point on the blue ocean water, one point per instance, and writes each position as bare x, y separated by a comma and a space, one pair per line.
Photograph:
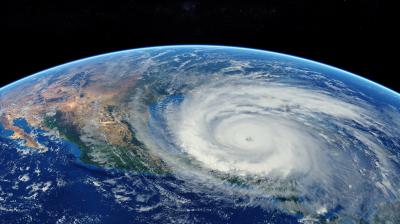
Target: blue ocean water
5, 132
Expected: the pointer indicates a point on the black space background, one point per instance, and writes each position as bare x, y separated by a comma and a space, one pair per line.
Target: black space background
352, 35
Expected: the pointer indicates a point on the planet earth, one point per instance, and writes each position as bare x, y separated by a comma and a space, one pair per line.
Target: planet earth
198, 134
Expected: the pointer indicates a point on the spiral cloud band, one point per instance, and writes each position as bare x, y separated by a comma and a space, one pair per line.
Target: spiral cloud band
307, 143
274, 131
241, 128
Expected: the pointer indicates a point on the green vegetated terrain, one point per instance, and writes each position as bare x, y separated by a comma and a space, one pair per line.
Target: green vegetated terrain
133, 157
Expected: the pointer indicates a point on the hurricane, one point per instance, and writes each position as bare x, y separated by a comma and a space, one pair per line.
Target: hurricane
274, 139
252, 129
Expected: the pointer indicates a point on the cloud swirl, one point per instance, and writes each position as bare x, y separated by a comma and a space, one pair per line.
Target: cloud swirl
314, 149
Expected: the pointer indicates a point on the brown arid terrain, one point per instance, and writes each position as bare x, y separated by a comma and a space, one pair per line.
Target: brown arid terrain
81, 104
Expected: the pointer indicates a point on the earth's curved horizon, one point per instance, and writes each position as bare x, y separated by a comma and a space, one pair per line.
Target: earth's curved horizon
198, 134
201, 45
